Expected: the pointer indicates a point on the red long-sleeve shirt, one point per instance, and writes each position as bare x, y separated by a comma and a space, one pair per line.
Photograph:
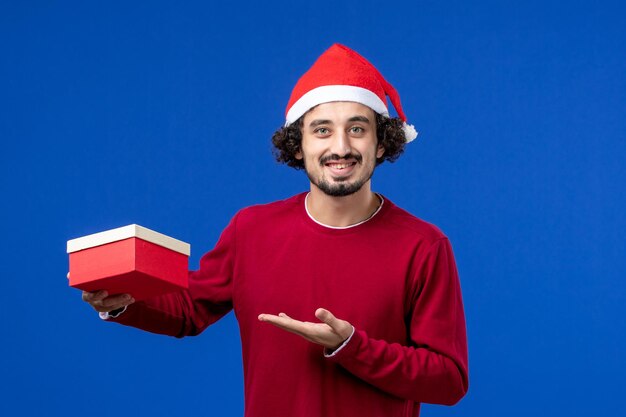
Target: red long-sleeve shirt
392, 277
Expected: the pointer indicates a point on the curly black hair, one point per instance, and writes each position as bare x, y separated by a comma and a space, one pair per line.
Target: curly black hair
287, 141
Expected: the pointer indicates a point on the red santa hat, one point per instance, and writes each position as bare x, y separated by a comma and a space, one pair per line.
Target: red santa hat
341, 74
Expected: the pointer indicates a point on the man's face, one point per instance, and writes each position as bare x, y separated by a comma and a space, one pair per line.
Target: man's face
339, 147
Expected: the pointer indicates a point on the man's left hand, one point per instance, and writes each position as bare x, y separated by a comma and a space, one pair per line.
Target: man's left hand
331, 333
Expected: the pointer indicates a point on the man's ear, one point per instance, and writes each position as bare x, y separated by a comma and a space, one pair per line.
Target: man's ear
298, 155
380, 151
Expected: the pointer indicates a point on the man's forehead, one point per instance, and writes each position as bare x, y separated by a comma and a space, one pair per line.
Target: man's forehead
338, 111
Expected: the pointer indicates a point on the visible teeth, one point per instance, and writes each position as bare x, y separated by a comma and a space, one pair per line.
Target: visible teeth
340, 166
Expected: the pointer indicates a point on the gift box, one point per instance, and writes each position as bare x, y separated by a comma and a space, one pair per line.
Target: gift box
131, 260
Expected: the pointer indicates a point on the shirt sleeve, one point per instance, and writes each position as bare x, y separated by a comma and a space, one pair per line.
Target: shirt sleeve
433, 368
330, 353
189, 312
105, 315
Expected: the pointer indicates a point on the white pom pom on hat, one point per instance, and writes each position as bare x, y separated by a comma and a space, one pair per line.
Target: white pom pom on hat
341, 74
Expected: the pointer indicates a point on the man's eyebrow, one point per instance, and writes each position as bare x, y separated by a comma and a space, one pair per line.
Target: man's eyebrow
359, 119
318, 122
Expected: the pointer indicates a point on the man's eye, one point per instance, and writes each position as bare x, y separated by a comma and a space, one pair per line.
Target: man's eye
321, 131
357, 129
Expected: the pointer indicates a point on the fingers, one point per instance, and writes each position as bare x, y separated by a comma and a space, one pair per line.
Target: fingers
340, 327
330, 333
309, 331
94, 296
271, 318
282, 320
326, 316
113, 303
102, 302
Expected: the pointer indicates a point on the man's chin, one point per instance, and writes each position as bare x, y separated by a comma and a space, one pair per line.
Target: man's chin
341, 180
339, 189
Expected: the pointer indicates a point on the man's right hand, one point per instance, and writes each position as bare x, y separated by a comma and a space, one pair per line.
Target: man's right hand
103, 303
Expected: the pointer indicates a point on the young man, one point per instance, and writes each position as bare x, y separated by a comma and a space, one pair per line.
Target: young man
370, 291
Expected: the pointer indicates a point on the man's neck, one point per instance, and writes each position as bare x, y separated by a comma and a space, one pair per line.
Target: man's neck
342, 211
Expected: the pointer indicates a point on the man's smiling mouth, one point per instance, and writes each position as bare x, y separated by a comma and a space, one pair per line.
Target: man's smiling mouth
340, 166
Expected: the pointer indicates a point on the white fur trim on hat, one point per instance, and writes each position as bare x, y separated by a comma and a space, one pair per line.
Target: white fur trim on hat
328, 93
409, 132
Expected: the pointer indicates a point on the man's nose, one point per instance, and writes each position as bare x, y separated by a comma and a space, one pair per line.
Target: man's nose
341, 143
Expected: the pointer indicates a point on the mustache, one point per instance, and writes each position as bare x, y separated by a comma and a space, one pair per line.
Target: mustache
335, 157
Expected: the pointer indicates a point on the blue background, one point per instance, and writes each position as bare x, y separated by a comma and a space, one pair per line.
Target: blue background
160, 114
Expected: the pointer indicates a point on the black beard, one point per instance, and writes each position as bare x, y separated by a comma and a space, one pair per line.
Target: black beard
341, 189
